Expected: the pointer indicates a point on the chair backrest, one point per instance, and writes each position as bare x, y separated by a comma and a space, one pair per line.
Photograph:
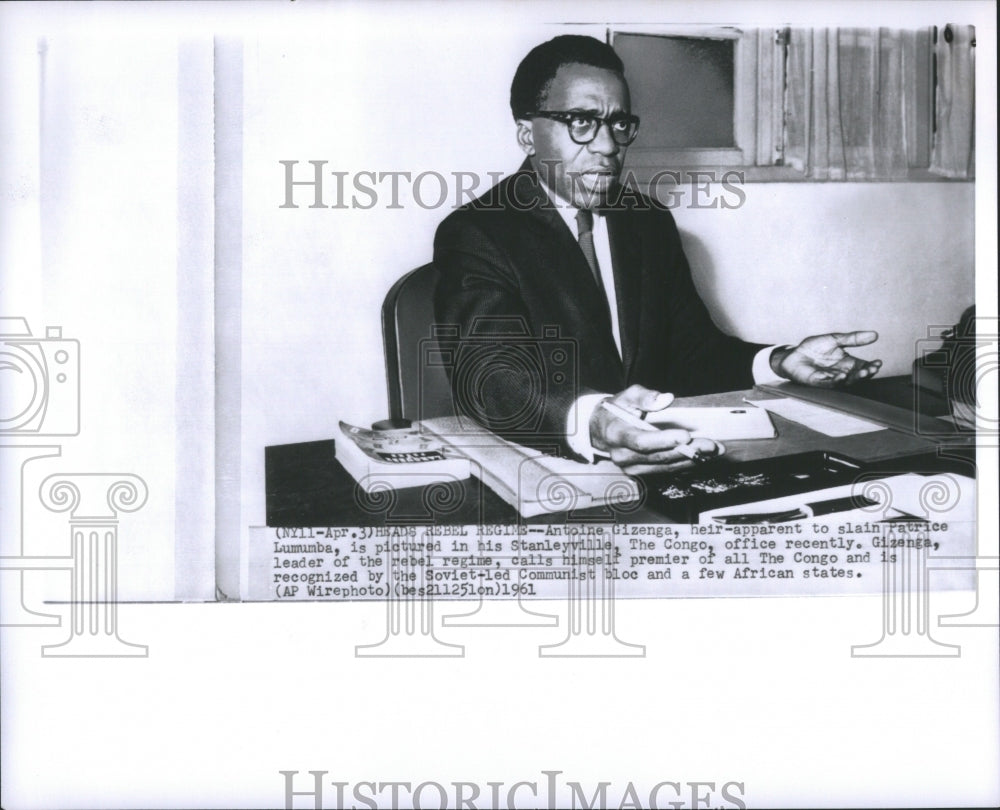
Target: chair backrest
418, 389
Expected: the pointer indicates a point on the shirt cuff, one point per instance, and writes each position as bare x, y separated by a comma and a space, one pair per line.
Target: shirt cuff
578, 426
762, 372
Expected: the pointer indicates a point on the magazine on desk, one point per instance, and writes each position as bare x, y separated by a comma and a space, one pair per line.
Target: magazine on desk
397, 458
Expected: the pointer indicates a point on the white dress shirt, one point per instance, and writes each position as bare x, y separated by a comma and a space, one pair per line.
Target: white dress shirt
578, 418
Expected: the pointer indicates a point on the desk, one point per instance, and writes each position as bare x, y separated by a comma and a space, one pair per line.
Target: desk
306, 486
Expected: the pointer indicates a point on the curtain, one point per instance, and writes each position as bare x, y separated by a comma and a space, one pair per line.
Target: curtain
954, 146
857, 103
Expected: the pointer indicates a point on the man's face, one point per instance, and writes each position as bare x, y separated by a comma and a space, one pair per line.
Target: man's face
583, 174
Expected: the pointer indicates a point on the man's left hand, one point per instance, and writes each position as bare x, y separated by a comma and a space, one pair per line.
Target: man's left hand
821, 360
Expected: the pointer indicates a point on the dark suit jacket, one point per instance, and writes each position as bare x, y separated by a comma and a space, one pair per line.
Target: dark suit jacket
509, 264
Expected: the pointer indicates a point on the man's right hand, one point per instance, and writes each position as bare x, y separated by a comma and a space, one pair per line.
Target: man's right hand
639, 451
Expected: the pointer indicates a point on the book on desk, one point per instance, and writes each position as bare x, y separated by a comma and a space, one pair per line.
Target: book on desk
530, 481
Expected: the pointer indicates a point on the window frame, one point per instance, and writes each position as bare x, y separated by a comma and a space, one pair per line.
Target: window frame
759, 83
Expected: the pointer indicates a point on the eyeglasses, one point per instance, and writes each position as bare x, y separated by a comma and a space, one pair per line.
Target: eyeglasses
583, 127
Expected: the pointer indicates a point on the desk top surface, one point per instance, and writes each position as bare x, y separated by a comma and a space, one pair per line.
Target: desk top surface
306, 486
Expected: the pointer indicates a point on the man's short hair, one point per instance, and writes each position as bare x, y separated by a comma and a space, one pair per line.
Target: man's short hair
539, 67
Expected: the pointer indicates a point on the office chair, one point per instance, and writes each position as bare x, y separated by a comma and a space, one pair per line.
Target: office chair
417, 389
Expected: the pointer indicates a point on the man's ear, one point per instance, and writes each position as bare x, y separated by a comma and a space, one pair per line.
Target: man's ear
525, 137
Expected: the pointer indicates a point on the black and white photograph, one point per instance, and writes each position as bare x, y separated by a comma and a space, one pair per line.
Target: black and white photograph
499, 404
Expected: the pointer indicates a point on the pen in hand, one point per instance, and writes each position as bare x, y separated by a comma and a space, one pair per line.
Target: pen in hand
635, 421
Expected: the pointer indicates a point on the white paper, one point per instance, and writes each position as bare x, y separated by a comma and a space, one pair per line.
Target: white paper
824, 420
723, 424
898, 496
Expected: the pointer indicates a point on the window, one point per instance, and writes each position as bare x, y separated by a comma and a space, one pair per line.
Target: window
785, 104
696, 112
707, 97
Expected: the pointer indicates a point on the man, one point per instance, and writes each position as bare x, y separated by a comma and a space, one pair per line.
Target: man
595, 273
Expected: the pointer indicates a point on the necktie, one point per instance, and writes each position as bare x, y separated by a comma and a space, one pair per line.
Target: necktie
585, 231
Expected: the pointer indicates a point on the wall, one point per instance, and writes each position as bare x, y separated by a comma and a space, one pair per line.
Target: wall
104, 204
366, 97
805, 258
